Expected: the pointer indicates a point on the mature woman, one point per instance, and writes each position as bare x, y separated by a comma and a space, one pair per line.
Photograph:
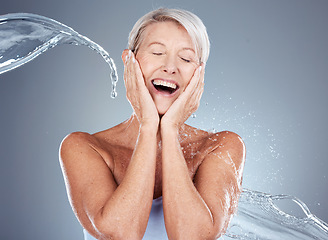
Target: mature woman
153, 168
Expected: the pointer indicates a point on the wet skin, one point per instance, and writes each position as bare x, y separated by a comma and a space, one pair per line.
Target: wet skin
113, 176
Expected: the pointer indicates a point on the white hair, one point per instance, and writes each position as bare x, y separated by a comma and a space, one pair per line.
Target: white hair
193, 25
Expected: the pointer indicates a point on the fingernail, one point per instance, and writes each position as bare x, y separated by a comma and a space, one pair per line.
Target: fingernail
130, 52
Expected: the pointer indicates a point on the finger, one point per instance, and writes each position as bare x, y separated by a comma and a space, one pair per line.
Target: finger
199, 93
194, 100
125, 58
129, 80
131, 72
200, 82
125, 76
140, 82
192, 86
187, 95
195, 96
124, 54
201, 74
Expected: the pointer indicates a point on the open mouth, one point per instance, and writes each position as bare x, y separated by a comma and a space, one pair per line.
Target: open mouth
165, 86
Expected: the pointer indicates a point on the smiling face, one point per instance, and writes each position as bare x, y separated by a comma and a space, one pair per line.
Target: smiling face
168, 61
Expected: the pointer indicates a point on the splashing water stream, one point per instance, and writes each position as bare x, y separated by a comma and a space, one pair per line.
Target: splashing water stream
258, 217
25, 36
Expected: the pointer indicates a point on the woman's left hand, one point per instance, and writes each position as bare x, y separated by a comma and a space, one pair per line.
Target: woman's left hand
187, 103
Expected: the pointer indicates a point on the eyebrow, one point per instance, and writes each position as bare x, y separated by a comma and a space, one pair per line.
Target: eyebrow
190, 49
159, 43
162, 44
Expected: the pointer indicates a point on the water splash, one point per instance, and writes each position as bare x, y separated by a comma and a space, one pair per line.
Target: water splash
259, 217
25, 36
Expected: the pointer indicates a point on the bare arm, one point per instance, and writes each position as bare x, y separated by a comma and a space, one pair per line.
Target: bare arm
103, 208
201, 210
106, 210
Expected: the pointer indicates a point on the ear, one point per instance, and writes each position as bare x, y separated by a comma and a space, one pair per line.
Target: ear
124, 54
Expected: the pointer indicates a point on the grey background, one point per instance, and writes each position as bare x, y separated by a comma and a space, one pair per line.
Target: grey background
266, 79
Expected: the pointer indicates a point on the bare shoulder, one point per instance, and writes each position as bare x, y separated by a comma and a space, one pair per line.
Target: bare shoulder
77, 140
77, 145
226, 145
76, 137
228, 139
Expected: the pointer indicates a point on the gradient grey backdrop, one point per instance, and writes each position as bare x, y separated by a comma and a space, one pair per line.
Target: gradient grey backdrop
266, 79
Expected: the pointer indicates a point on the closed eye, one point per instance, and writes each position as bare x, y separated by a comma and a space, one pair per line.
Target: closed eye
158, 53
186, 60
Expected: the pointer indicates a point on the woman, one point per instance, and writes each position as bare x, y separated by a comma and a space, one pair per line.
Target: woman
153, 168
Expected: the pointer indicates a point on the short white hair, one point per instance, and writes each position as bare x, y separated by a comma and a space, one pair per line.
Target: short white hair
193, 25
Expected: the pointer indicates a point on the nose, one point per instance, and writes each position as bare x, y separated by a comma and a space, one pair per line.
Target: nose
169, 65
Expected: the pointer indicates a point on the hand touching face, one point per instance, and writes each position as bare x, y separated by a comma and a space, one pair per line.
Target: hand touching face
168, 60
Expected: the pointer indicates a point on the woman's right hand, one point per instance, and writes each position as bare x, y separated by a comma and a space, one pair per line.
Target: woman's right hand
137, 92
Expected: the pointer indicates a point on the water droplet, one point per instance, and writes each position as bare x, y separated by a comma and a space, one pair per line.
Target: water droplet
113, 94
193, 115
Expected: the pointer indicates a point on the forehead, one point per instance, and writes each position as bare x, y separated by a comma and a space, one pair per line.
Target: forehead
168, 32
